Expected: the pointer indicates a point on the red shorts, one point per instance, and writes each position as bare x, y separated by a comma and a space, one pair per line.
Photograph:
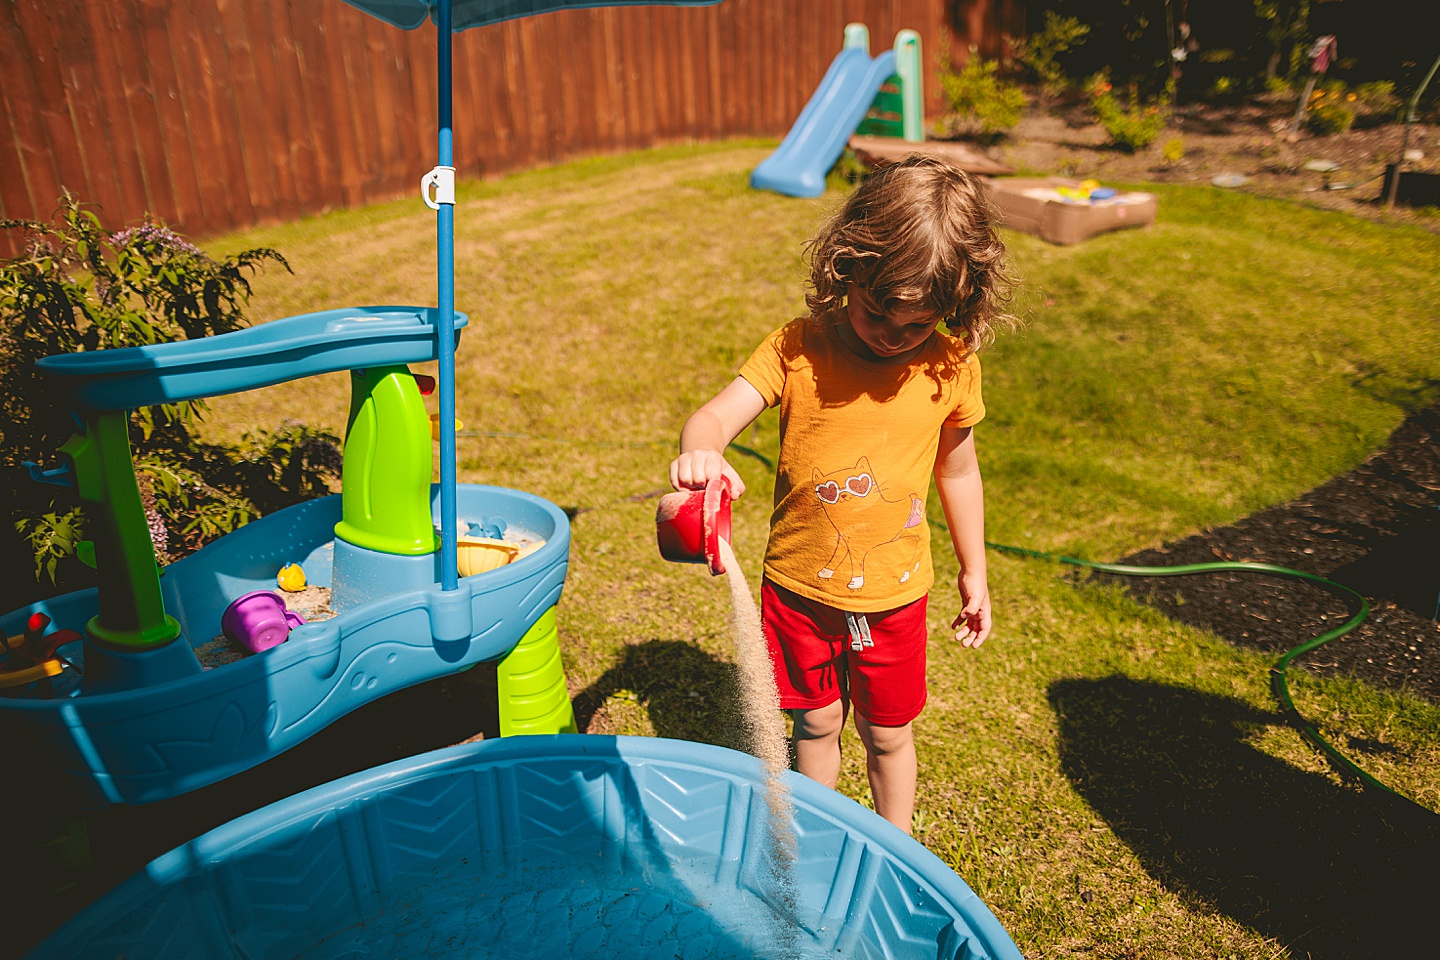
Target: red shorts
876, 661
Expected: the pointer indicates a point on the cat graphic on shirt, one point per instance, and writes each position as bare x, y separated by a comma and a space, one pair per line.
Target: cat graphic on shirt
865, 521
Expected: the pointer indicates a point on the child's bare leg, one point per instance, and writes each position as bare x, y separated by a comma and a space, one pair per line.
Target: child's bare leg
891, 766
817, 742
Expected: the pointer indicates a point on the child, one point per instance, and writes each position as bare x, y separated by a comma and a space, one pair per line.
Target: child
874, 398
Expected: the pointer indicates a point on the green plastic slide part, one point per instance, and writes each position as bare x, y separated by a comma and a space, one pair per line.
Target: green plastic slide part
533, 696
898, 109
885, 118
385, 503
131, 612
912, 85
857, 36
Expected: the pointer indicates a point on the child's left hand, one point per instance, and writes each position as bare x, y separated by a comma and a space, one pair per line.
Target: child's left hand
972, 627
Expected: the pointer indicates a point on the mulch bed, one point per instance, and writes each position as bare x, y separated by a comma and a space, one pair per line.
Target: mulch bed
1375, 529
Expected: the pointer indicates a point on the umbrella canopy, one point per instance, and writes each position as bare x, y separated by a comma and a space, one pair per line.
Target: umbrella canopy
438, 191
409, 14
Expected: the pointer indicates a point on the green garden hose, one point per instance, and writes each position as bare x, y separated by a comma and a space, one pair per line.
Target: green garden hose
1342, 764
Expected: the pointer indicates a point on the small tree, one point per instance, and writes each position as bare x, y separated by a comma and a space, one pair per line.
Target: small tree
982, 105
1040, 52
79, 287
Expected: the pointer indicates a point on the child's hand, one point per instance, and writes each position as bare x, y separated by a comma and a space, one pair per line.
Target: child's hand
972, 627
695, 468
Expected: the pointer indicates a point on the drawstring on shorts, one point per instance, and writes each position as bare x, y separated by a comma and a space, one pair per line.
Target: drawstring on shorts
859, 631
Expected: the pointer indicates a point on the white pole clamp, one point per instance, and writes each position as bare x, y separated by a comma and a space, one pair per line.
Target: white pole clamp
442, 179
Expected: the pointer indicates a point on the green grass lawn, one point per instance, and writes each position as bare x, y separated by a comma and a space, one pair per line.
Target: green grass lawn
1111, 783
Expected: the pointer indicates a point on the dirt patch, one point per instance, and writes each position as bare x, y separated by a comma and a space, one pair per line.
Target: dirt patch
1249, 140
1375, 529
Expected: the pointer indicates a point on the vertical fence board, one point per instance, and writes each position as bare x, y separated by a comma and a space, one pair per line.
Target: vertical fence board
390, 96
75, 47
501, 140
162, 124
220, 161
577, 37
608, 116
472, 103
242, 93
551, 81
301, 132
128, 95
216, 114
611, 69
340, 156
520, 111
28, 149
282, 113
321, 189
49, 102
100, 103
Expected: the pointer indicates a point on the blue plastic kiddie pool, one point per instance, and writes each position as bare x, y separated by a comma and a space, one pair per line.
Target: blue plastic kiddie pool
554, 846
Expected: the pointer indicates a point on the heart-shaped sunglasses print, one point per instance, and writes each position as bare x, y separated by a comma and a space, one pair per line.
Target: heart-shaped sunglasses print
829, 491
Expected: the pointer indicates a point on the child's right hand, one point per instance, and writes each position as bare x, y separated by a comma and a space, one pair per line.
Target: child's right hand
695, 468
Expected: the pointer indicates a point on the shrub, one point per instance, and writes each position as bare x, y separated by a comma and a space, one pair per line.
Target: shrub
1131, 127
1173, 150
1377, 96
1376, 102
981, 104
1331, 111
1279, 87
79, 287
1040, 52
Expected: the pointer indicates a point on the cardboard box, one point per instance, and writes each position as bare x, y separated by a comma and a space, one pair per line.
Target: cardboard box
1033, 205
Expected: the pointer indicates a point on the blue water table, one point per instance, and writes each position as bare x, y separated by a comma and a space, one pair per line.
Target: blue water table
127, 707
550, 848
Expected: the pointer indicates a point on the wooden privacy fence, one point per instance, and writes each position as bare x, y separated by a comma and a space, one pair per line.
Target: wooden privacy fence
217, 114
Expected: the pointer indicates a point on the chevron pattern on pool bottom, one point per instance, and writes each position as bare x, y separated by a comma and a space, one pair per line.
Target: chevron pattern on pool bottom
581, 854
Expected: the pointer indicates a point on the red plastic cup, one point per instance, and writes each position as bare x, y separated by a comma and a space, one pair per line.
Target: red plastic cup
258, 621
690, 524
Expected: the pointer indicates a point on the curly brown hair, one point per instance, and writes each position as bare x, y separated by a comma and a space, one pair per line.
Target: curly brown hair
918, 233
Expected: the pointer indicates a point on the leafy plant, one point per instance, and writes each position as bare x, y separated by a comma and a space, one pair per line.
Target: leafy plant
1377, 95
982, 105
79, 287
1040, 52
1133, 126
1173, 150
1331, 110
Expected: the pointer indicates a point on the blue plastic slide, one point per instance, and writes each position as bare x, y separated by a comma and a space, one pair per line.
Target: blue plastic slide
798, 166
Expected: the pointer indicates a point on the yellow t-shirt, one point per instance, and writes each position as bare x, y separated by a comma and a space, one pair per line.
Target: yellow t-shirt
857, 450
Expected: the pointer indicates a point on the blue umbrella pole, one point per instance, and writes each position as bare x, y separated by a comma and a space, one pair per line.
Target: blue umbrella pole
445, 249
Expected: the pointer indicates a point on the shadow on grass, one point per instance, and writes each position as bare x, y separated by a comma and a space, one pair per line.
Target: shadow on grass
68, 854
1326, 871
689, 694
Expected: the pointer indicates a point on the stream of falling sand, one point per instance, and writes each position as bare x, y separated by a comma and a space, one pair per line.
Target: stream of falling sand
765, 736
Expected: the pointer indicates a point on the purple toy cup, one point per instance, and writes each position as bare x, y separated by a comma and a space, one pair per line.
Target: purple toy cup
258, 621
